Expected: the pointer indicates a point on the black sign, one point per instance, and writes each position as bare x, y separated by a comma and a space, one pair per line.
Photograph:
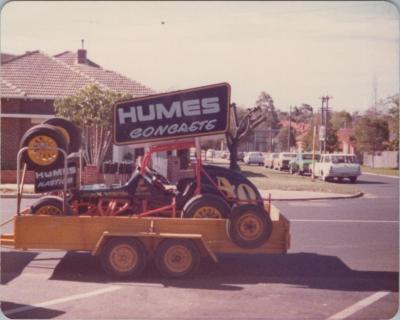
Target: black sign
187, 113
52, 180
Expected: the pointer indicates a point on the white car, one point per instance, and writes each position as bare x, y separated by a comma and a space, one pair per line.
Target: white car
254, 157
337, 165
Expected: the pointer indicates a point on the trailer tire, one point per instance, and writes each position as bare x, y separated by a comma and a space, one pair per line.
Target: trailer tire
47, 136
123, 257
176, 258
206, 206
249, 226
70, 131
49, 205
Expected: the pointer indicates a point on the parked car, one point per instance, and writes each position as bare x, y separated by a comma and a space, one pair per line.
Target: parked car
240, 156
269, 160
302, 164
282, 161
225, 155
254, 157
338, 166
210, 154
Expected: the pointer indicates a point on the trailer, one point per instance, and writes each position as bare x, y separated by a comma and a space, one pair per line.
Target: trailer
126, 245
215, 211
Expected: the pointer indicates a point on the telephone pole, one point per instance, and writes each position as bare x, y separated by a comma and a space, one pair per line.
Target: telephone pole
324, 120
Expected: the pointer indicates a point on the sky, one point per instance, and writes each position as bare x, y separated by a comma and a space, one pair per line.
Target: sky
295, 51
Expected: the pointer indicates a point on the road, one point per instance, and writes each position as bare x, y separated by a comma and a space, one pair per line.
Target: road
343, 264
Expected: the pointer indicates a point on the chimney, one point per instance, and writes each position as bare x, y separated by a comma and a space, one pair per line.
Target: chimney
82, 56
82, 53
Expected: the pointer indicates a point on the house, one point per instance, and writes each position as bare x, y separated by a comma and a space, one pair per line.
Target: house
346, 144
32, 81
301, 129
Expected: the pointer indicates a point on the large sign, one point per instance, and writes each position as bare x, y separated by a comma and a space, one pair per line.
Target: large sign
188, 113
52, 180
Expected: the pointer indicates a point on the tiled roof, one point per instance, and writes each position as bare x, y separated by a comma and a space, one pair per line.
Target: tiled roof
37, 75
6, 56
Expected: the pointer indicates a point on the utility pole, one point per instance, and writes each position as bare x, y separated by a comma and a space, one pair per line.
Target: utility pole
324, 120
290, 127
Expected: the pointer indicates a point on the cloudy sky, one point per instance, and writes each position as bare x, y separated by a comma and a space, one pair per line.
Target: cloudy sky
296, 51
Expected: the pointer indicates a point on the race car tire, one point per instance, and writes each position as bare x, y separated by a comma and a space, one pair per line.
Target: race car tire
71, 132
249, 226
206, 206
46, 136
49, 205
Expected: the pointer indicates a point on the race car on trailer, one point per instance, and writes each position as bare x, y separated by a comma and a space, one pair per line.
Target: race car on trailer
217, 210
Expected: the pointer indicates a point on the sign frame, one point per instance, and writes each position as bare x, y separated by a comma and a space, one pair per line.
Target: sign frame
167, 94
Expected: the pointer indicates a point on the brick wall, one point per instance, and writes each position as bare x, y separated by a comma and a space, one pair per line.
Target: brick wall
12, 129
11, 133
10, 176
92, 175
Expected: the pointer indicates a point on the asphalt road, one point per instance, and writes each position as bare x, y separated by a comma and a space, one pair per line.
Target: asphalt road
343, 263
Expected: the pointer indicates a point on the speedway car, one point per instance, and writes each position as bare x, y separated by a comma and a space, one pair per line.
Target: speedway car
212, 192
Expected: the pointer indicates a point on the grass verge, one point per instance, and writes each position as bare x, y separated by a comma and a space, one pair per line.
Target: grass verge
274, 180
385, 171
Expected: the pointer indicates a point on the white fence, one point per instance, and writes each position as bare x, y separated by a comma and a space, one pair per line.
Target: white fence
384, 159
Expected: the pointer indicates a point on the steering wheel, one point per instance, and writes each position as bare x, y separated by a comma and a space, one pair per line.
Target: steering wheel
159, 176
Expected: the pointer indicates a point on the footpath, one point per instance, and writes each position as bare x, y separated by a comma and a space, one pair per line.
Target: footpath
9, 191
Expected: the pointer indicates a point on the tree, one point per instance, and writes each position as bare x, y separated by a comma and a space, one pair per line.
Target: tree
393, 121
332, 142
251, 118
371, 133
341, 119
91, 109
283, 138
303, 113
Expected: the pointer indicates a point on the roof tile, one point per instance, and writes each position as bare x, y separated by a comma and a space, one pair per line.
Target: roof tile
37, 75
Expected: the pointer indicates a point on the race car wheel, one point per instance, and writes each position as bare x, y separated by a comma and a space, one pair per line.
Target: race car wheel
50, 205
41, 139
70, 132
175, 258
249, 226
123, 257
206, 206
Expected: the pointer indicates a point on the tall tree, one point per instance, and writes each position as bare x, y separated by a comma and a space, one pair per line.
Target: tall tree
250, 119
91, 109
284, 141
341, 119
392, 104
371, 134
302, 113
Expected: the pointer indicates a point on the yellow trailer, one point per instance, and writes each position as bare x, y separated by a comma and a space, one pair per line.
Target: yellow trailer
126, 244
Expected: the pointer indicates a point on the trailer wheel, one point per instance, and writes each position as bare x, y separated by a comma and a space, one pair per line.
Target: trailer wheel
206, 206
50, 205
70, 132
41, 137
175, 258
249, 226
123, 257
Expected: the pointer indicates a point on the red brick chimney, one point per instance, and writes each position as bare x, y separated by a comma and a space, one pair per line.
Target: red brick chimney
82, 56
